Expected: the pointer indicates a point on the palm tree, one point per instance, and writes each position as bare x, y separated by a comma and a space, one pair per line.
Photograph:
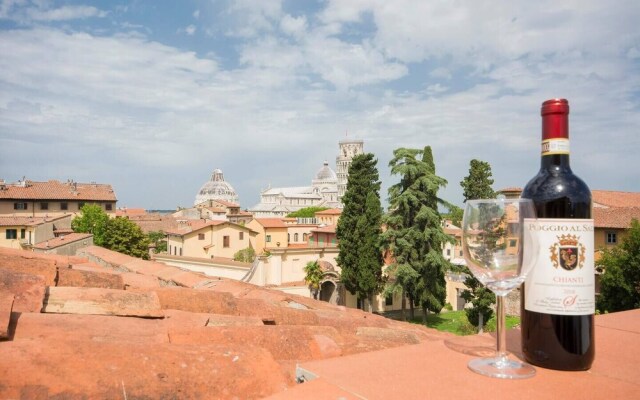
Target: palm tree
313, 277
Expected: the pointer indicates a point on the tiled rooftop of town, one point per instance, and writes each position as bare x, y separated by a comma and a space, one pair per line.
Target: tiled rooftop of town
56, 190
105, 325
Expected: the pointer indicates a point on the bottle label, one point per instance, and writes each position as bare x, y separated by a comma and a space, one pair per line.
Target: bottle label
555, 146
562, 281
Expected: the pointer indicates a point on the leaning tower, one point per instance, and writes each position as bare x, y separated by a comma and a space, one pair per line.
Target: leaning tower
348, 150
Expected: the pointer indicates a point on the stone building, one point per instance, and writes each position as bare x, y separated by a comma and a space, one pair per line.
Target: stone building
216, 188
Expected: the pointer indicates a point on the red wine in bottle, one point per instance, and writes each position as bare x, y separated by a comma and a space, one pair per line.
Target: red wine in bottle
558, 296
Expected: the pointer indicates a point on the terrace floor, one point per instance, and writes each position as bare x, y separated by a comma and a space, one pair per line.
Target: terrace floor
438, 370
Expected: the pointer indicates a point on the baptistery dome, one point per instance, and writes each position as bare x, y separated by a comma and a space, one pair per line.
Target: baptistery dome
216, 189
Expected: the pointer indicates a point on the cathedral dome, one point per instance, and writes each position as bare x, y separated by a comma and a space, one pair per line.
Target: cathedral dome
326, 173
216, 189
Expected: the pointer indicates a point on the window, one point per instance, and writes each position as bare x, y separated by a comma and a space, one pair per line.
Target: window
241, 235
304, 237
180, 250
12, 234
225, 241
268, 239
513, 242
612, 238
44, 206
80, 205
23, 233
388, 300
19, 206
108, 206
200, 236
448, 252
295, 237
64, 206
288, 237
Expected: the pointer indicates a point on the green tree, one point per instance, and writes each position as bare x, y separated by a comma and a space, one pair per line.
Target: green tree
93, 219
477, 185
454, 215
431, 288
307, 212
126, 237
414, 234
158, 238
245, 255
620, 282
358, 230
313, 277
481, 299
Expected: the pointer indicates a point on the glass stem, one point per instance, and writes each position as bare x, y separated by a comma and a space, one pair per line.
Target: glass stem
501, 331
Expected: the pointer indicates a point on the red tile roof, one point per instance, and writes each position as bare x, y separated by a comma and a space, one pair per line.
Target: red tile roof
204, 337
192, 226
195, 337
189, 226
271, 222
615, 199
618, 217
330, 211
62, 240
123, 212
56, 190
325, 229
27, 221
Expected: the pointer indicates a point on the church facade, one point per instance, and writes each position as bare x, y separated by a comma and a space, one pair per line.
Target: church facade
326, 188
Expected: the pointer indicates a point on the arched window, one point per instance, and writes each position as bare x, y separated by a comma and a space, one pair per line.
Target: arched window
295, 237
304, 237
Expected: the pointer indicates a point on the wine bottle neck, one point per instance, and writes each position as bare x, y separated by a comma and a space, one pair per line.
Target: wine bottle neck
555, 134
555, 161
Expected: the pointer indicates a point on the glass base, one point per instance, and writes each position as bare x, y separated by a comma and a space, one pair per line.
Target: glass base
498, 367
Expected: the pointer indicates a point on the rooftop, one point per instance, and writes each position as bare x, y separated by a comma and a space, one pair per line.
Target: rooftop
61, 241
147, 330
56, 190
607, 198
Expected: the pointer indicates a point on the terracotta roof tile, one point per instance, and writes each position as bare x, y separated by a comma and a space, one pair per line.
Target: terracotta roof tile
62, 240
325, 229
126, 212
227, 339
330, 211
56, 190
271, 222
615, 199
615, 217
27, 221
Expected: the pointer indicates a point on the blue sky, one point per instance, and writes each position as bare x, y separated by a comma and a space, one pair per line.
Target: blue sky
151, 96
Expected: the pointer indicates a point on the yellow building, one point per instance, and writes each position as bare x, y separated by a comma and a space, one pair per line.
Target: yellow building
52, 198
23, 232
272, 233
329, 216
208, 239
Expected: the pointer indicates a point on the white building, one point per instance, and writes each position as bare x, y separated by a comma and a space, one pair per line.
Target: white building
216, 189
326, 188
278, 202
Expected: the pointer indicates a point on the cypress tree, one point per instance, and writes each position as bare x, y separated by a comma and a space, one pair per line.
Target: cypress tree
358, 230
414, 235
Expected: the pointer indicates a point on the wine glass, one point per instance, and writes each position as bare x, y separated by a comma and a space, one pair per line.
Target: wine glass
499, 249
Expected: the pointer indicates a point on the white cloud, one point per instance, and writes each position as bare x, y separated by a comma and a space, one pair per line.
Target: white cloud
196, 14
64, 13
294, 26
465, 78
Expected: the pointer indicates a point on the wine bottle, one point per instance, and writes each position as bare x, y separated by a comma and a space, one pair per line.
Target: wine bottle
558, 296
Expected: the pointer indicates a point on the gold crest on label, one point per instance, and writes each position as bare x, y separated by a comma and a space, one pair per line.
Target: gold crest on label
568, 253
